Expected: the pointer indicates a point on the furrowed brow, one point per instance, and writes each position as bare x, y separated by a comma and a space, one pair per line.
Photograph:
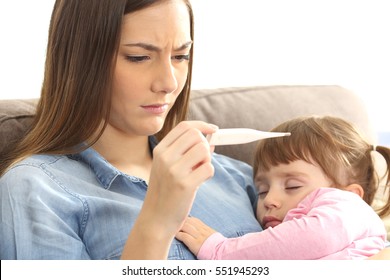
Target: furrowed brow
185, 46
150, 47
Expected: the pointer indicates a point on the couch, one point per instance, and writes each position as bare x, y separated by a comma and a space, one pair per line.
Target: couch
259, 107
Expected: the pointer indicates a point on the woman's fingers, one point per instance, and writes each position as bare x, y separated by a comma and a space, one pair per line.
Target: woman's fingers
182, 128
180, 157
183, 144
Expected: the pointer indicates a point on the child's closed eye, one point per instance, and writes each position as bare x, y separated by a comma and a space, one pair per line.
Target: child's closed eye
293, 188
262, 193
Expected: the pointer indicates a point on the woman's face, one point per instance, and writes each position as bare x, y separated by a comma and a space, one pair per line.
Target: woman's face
151, 68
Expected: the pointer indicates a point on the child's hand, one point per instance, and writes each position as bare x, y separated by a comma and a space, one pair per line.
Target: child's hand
194, 233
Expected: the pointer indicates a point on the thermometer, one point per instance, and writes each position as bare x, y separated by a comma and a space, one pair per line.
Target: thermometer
233, 136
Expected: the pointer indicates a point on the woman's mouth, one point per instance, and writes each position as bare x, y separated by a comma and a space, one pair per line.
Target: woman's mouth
156, 109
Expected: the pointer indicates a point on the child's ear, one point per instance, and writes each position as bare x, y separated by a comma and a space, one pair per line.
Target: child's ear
355, 188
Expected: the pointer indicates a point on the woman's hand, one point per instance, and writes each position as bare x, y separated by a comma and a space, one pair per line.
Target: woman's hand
194, 233
181, 163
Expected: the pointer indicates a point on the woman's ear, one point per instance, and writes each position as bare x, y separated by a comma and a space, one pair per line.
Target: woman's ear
355, 188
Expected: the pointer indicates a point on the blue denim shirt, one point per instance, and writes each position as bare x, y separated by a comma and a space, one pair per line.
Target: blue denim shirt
81, 207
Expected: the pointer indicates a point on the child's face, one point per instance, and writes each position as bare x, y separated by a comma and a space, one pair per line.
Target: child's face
283, 187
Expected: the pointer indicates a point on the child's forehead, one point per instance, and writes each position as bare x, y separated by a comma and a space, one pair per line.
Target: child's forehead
297, 172
291, 169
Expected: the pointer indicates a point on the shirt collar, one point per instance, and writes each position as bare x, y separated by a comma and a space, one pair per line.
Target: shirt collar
104, 171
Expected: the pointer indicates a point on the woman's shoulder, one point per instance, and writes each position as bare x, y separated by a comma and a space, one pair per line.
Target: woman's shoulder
35, 162
50, 176
37, 167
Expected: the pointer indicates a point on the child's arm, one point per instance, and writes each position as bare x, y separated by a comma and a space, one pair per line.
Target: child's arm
327, 225
194, 233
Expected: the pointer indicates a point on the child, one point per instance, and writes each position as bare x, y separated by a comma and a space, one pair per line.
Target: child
310, 186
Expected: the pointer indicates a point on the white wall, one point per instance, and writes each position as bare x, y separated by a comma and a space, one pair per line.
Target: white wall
23, 29
239, 43
264, 42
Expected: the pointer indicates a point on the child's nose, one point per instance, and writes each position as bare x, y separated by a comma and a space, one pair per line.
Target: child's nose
272, 199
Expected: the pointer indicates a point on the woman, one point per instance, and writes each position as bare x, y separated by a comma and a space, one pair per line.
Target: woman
89, 180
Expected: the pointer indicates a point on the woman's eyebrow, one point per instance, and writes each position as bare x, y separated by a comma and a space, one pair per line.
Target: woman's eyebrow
150, 47
185, 46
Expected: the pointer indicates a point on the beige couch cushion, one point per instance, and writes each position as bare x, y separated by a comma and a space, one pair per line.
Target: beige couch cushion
15, 116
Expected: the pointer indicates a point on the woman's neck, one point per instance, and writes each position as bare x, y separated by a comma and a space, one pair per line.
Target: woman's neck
129, 154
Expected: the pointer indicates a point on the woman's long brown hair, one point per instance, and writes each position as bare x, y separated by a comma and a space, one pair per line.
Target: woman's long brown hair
75, 100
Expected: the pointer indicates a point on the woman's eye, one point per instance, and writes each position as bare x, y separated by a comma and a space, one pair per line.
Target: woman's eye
182, 57
137, 59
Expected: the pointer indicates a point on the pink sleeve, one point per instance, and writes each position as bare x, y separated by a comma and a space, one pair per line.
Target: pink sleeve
326, 222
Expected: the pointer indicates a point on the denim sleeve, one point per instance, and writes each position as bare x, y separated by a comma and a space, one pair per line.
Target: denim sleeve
36, 212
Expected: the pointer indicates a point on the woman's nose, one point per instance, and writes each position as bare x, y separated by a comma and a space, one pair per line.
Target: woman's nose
165, 78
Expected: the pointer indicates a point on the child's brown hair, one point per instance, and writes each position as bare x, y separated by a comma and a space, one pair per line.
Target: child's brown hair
332, 143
